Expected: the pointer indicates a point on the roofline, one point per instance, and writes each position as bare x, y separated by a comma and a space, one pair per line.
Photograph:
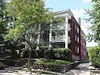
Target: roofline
64, 11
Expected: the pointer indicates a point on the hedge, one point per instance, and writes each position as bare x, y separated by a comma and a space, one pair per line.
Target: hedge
94, 56
58, 53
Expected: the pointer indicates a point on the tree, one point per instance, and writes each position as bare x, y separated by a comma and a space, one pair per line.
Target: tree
95, 20
3, 21
28, 18
3, 25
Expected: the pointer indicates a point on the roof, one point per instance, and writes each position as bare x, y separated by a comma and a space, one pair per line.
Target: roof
64, 11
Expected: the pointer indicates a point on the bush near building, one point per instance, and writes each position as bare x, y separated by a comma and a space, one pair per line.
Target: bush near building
57, 53
94, 55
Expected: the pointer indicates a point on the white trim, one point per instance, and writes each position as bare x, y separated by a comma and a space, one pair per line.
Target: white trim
66, 32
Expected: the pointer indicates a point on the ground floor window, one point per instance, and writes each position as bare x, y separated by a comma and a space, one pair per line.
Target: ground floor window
58, 45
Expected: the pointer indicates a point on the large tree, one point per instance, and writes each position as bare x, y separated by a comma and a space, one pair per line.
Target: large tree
3, 21
3, 25
30, 19
27, 14
95, 20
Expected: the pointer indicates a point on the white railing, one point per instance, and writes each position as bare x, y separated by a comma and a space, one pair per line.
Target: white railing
59, 38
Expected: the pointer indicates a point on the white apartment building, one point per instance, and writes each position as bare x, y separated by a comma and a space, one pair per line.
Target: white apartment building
62, 29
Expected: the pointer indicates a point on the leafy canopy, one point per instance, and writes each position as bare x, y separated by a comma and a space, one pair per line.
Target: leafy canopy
95, 20
27, 14
3, 20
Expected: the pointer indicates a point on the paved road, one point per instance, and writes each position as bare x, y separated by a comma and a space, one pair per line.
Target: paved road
82, 69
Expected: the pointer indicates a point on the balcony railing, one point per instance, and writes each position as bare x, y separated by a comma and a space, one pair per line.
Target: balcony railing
59, 38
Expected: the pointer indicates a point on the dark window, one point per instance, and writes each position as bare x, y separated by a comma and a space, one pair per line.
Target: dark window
58, 45
58, 32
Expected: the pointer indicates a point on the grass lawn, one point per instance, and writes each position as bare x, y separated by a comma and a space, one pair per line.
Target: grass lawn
52, 62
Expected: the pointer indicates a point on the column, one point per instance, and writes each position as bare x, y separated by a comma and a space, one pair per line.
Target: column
66, 32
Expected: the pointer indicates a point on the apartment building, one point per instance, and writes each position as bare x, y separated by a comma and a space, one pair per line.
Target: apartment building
70, 36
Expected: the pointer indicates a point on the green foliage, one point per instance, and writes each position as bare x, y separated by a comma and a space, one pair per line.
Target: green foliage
61, 49
30, 18
95, 20
15, 32
28, 14
50, 54
94, 55
3, 20
61, 53
58, 53
52, 62
3, 28
94, 0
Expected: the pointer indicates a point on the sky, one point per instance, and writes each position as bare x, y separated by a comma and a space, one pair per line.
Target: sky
77, 7
68, 4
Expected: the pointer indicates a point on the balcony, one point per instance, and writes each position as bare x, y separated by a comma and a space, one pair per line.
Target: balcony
60, 38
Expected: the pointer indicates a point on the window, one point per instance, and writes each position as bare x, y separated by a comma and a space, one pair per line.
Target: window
77, 50
78, 39
77, 30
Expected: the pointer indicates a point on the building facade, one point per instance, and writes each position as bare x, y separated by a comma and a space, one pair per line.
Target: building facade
75, 39
70, 36
83, 47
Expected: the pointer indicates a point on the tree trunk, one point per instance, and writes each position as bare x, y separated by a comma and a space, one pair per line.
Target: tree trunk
29, 61
38, 37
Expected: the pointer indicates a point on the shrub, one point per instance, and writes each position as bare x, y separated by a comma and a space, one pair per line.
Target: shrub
57, 53
50, 54
94, 55
52, 62
61, 53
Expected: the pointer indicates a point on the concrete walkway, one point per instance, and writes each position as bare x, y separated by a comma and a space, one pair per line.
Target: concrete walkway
82, 69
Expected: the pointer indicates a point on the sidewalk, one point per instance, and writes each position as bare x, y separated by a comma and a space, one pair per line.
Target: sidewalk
82, 69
